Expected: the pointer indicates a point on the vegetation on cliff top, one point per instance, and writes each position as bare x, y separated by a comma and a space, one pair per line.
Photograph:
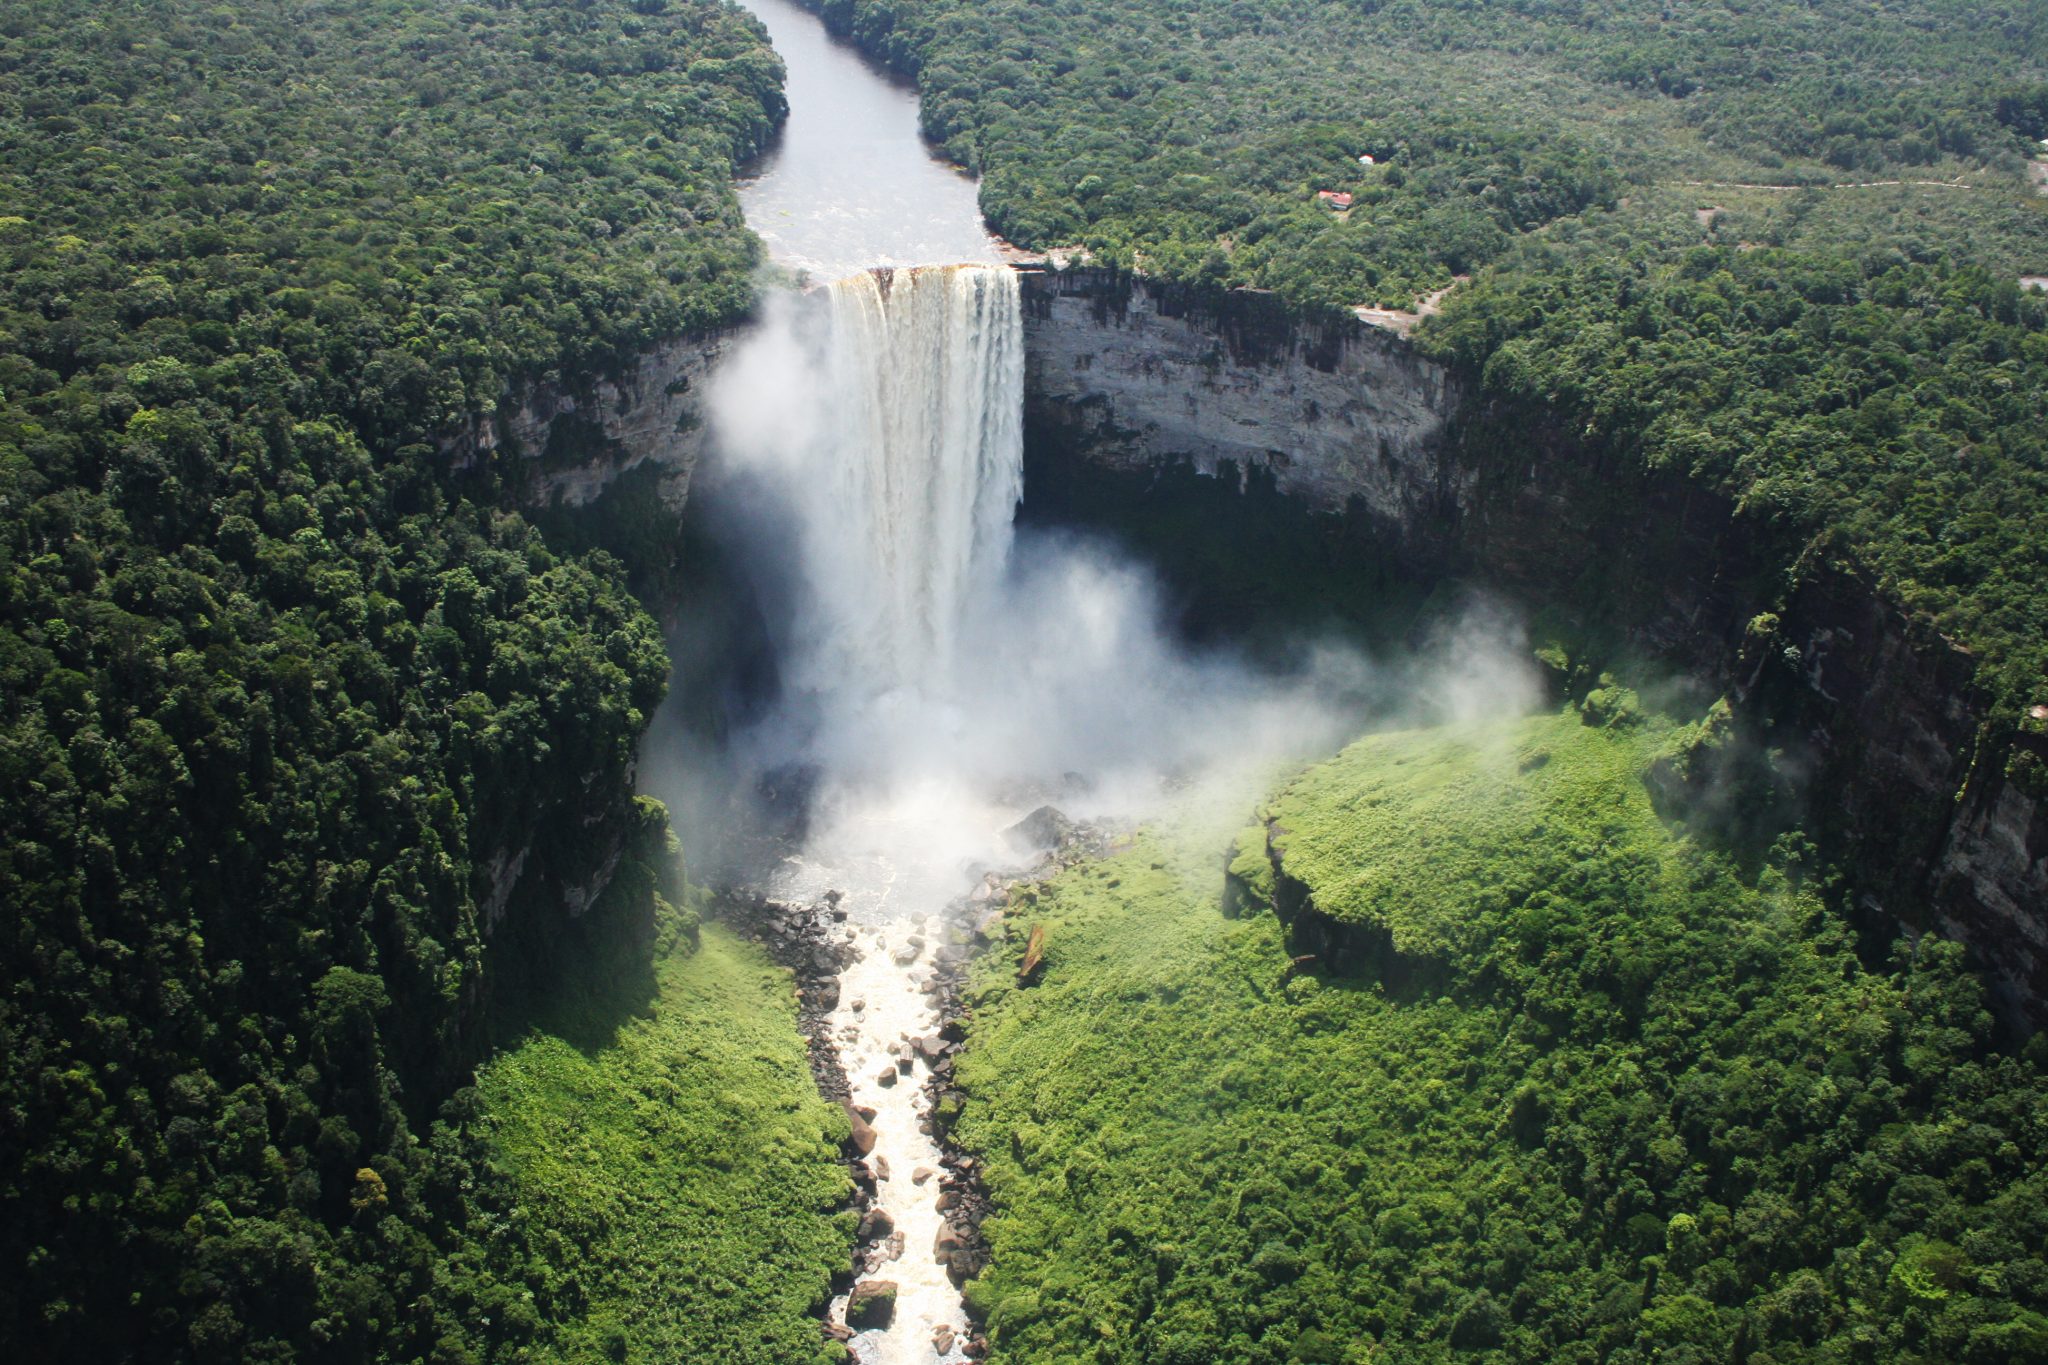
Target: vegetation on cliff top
303, 744
1191, 135
1607, 1097
1884, 412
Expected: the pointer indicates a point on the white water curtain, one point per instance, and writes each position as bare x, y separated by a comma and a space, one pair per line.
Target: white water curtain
914, 471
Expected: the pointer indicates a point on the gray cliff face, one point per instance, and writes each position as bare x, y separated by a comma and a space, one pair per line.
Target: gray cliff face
501, 872
1992, 884
1138, 375
1134, 378
1903, 764
582, 438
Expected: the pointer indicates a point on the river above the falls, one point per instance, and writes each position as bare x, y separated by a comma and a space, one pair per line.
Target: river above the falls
850, 183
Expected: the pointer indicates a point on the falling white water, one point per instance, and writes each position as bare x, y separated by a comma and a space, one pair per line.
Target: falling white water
923, 401
920, 469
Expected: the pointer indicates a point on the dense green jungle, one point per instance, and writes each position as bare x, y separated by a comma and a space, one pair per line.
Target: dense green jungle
354, 1006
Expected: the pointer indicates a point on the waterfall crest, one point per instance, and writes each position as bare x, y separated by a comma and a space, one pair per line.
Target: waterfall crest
914, 471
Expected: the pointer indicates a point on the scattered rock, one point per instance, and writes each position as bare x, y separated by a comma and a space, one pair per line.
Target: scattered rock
905, 955
922, 1174
825, 995
887, 1078
881, 1168
875, 1224
942, 1339
859, 1006
933, 1047
872, 1304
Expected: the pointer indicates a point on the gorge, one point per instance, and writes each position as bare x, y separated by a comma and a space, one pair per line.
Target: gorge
628, 739
896, 416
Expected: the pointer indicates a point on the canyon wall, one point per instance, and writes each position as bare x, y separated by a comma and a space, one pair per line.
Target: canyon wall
1335, 413
567, 448
1394, 456
581, 437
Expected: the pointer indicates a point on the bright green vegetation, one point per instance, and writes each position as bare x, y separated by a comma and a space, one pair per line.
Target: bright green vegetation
1601, 1097
303, 741
672, 1184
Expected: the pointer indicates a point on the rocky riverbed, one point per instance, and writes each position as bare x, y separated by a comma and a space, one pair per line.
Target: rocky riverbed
880, 1002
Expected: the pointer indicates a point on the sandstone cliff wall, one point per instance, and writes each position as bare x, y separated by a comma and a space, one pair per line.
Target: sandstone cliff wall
581, 437
1335, 412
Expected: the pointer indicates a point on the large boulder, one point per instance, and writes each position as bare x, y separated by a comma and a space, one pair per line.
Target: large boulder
872, 1304
861, 1134
1044, 829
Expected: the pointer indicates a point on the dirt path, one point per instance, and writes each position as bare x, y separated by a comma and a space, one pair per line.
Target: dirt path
1402, 322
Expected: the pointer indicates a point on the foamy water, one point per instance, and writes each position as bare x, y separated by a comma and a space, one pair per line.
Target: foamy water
899, 858
895, 1012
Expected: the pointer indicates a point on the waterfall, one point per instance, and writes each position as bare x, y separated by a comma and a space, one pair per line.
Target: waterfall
885, 413
913, 472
